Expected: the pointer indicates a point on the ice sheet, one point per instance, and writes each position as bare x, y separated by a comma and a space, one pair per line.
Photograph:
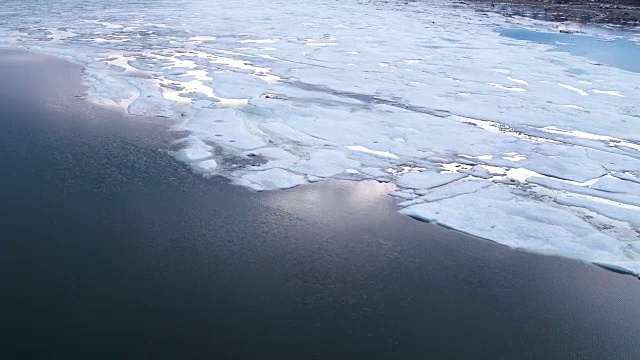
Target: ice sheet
476, 130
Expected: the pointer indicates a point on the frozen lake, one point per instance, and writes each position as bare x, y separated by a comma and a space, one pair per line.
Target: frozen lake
501, 137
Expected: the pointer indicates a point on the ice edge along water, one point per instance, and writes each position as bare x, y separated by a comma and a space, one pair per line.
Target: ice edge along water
499, 138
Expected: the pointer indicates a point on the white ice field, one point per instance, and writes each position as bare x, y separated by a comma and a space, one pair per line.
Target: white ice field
500, 138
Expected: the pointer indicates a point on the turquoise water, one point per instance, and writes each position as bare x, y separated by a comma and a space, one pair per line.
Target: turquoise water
620, 52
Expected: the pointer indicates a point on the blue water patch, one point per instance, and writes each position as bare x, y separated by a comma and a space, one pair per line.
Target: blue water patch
621, 53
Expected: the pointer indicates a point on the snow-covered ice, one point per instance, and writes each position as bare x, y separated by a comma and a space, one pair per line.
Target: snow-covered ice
494, 136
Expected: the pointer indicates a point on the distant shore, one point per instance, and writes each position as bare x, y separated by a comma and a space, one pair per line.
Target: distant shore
613, 12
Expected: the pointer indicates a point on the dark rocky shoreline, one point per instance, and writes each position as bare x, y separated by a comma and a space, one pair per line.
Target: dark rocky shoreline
613, 12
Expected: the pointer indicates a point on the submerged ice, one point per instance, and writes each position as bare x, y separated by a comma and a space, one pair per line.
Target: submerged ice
494, 136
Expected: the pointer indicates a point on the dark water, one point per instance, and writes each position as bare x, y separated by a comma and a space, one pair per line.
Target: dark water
109, 249
621, 53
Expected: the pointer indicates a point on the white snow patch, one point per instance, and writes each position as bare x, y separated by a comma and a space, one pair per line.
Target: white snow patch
585, 135
510, 88
369, 151
479, 157
258, 41
608, 92
514, 157
573, 88
523, 82
203, 38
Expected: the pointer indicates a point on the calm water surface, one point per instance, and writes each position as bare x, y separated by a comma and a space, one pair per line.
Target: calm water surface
110, 249
618, 51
